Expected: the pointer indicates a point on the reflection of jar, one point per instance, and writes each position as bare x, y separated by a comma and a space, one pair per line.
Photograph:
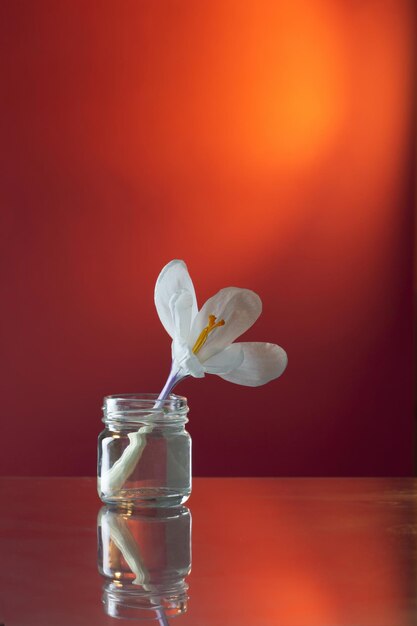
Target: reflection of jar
144, 453
145, 556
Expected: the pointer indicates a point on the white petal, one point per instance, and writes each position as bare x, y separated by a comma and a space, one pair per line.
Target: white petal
225, 361
239, 308
173, 278
180, 305
262, 362
185, 361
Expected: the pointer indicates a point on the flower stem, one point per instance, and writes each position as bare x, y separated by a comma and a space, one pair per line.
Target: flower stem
113, 479
172, 380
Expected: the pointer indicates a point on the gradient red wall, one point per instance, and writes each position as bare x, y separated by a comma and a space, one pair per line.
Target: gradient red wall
268, 144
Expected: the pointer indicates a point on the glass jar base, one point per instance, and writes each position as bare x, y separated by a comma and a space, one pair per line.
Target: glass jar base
152, 498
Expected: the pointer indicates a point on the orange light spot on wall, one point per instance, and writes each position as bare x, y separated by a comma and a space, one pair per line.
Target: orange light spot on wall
265, 142
289, 90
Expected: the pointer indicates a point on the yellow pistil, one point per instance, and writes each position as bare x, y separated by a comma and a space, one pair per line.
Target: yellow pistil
202, 338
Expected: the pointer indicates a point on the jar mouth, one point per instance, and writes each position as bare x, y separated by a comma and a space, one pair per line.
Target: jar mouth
140, 604
136, 406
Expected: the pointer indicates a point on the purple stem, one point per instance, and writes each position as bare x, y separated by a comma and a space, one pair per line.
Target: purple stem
162, 618
173, 379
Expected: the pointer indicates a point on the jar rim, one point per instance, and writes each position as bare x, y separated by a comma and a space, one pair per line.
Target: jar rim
134, 406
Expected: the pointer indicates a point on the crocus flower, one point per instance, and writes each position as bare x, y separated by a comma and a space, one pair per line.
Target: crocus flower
203, 341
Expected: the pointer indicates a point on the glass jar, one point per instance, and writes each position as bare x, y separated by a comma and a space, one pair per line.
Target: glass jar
144, 557
144, 452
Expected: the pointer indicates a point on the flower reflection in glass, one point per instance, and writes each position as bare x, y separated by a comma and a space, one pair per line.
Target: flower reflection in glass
145, 558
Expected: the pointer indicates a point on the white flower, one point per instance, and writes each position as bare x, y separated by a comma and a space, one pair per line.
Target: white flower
204, 341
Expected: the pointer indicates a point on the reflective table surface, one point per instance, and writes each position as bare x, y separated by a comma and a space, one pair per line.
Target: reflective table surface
244, 551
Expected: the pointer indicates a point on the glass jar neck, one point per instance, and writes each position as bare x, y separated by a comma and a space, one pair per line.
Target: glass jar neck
128, 410
130, 602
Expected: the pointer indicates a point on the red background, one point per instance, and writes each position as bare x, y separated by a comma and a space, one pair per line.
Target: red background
268, 144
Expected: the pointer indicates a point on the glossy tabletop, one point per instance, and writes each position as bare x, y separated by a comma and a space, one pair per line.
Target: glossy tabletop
262, 552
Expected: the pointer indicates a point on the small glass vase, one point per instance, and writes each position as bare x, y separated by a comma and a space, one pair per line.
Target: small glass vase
144, 452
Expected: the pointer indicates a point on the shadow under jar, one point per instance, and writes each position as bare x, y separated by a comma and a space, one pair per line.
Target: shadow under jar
144, 452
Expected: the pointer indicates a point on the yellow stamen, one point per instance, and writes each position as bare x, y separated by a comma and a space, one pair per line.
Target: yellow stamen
202, 338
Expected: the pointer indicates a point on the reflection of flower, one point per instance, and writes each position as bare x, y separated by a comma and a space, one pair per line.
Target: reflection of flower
115, 523
203, 341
